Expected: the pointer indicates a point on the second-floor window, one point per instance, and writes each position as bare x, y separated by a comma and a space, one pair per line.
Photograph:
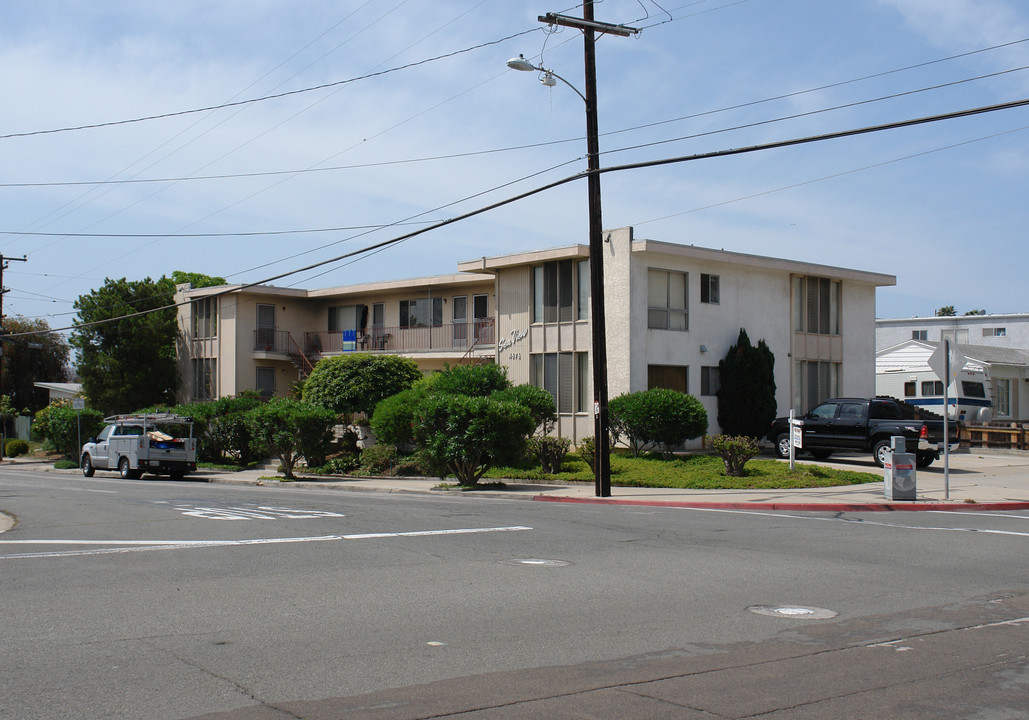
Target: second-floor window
667, 308
560, 291
709, 288
919, 334
205, 318
816, 305
421, 312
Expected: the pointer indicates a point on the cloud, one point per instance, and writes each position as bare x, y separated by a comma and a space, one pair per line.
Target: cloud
962, 24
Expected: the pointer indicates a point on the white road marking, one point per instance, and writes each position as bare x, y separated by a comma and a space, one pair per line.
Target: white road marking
258, 513
126, 546
861, 521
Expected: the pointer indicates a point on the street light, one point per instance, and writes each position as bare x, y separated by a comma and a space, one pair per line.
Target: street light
601, 459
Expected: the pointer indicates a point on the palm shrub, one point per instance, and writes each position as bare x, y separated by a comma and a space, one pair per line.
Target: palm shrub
735, 451
659, 417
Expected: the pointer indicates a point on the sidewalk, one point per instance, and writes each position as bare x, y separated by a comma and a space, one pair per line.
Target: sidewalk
979, 480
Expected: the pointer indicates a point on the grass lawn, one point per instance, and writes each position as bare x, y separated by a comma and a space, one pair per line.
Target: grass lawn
691, 472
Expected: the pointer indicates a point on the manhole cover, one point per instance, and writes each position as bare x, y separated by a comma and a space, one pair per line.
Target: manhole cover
796, 612
538, 562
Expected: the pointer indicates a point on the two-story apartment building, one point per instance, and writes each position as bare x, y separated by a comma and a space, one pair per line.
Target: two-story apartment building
673, 312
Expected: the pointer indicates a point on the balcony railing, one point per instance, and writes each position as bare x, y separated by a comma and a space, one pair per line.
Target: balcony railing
452, 336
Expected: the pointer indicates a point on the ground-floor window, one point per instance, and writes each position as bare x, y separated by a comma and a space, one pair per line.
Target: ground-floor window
266, 381
204, 378
709, 380
1003, 397
814, 381
565, 376
670, 377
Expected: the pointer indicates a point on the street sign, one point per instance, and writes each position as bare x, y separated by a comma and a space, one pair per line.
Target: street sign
938, 361
78, 404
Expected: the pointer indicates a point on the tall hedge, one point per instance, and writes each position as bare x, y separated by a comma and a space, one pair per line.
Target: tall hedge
746, 393
357, 382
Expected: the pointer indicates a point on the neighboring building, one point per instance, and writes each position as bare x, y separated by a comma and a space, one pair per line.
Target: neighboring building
673, 311
999, 342
61, 390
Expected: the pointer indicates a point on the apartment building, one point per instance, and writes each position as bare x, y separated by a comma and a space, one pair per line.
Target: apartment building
673, 312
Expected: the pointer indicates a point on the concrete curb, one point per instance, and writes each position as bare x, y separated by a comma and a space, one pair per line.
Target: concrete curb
798, 507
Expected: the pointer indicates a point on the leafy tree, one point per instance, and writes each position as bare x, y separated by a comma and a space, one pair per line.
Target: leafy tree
63, 426
746, 393
660, 416
357, 382
292, 429
469, 435
40, 356
197, 280
127, 361
976, 312
946, 311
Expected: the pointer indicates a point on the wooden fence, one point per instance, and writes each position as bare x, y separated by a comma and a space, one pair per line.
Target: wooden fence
1012, 437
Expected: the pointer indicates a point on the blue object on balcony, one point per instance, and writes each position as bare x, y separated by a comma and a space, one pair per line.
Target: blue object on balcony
349, 341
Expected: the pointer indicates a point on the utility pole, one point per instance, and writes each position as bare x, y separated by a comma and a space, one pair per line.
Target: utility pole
589, 26
3, 291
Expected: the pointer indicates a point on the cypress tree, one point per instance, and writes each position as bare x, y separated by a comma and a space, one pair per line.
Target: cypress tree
746, 392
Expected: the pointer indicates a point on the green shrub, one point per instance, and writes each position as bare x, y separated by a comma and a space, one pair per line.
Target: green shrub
292, 429
357, 382
659, 417
379, 459
471, 380
393, 417
735, 451
468, 435
62, 427
65, 465
15, 447
539, 402
339, 465
588, 451
549, 451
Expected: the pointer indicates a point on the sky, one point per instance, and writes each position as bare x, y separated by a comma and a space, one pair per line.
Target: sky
292, 134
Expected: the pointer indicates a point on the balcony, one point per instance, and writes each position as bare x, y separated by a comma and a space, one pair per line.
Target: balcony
451, 337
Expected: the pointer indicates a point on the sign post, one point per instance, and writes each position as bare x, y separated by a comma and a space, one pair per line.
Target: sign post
78, 404
946, 361
796, 437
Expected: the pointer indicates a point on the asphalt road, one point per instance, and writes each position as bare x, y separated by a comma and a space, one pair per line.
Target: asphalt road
158, 599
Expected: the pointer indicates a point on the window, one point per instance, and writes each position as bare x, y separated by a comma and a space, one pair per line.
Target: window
584, 289
995, 332
816, 305
955, 336
345, 317
709, 380
973, 389
666, 300
910, 388
932, 388
421, 312
815, 382
825, 411
554, 291
919, 334
563, 375
1003, 397
671, 377
205, 318
204, 378
709, 289
266, 381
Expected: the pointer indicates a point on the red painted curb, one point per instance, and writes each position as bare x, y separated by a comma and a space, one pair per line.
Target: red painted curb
824, 507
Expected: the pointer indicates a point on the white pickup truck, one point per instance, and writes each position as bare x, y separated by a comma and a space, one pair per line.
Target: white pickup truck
135, 444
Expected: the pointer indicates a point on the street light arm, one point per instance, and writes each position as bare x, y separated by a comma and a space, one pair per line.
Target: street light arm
520, 63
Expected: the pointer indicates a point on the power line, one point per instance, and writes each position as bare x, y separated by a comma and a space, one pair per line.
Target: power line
275, 96
578, 176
